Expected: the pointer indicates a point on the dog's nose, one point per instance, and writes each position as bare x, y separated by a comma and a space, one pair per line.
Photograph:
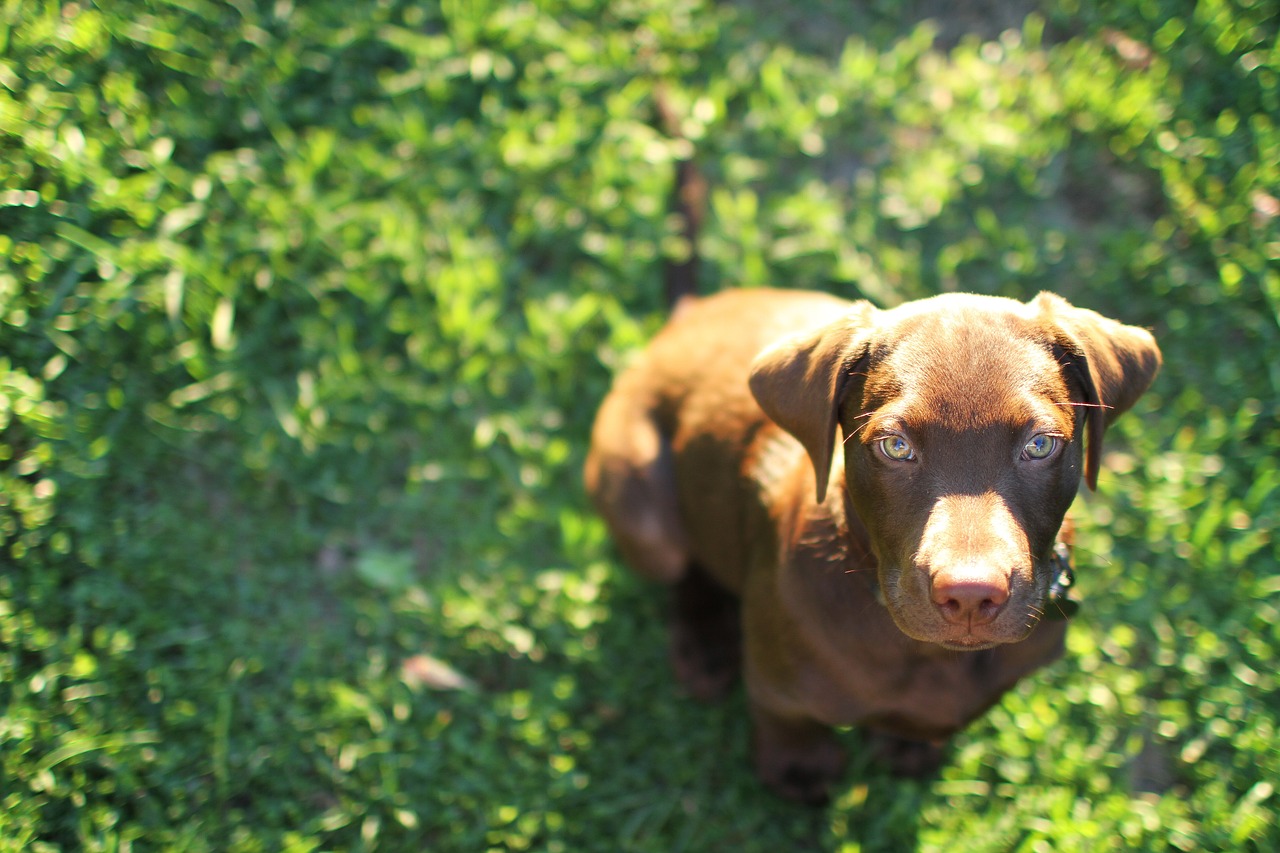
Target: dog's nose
969, 599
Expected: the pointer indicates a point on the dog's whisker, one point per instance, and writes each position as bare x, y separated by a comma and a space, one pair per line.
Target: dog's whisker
1086, 405
1094, 556
860, 429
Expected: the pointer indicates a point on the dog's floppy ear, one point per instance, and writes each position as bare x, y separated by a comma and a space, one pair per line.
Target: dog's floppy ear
801, 380
1114, 364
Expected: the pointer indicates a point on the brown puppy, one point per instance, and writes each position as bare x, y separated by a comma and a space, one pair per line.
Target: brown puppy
894, 579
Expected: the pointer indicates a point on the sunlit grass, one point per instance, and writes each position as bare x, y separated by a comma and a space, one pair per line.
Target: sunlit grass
304, 314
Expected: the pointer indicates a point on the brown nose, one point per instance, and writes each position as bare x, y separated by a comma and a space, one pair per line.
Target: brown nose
969, 600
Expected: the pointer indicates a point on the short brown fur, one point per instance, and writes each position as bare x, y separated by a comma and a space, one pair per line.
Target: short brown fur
744, 459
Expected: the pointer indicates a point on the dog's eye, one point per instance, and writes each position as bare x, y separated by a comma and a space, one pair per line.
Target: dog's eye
897, 448
1040, 447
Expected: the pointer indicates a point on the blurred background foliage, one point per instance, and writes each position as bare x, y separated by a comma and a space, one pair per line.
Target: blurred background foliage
304, 312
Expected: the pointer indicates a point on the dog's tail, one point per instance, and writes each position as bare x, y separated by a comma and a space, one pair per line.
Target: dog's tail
688, 204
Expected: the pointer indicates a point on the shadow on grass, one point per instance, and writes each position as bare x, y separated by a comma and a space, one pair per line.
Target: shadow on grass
821, 28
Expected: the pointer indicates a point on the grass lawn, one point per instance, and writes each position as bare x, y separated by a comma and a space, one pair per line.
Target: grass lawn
305, 309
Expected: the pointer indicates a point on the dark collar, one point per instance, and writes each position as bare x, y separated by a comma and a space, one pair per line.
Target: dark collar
1059, 605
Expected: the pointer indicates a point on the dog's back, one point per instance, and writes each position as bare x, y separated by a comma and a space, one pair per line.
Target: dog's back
687, 396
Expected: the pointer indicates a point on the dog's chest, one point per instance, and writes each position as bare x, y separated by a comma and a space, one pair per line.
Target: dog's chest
923, 698
933, 697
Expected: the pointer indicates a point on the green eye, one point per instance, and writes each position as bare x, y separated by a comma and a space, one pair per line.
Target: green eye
897, 448
1040, 447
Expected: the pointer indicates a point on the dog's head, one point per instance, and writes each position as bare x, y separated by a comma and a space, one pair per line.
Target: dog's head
968, 422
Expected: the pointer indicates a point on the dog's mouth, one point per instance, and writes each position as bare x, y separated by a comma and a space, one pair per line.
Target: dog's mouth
926, 627
972, 640
969, 644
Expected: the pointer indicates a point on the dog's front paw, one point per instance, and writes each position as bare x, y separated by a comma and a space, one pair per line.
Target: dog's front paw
707, 671
915, 759
798, 760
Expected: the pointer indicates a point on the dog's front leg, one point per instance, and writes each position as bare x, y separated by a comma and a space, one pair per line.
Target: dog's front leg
706, 635
797, 757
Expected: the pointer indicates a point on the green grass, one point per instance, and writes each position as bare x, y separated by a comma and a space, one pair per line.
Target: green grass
304, 312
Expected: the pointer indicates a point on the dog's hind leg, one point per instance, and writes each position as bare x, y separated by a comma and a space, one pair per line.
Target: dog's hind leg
631, 479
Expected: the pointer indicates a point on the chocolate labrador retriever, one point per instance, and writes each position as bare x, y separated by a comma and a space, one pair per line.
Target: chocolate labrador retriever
897, 578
